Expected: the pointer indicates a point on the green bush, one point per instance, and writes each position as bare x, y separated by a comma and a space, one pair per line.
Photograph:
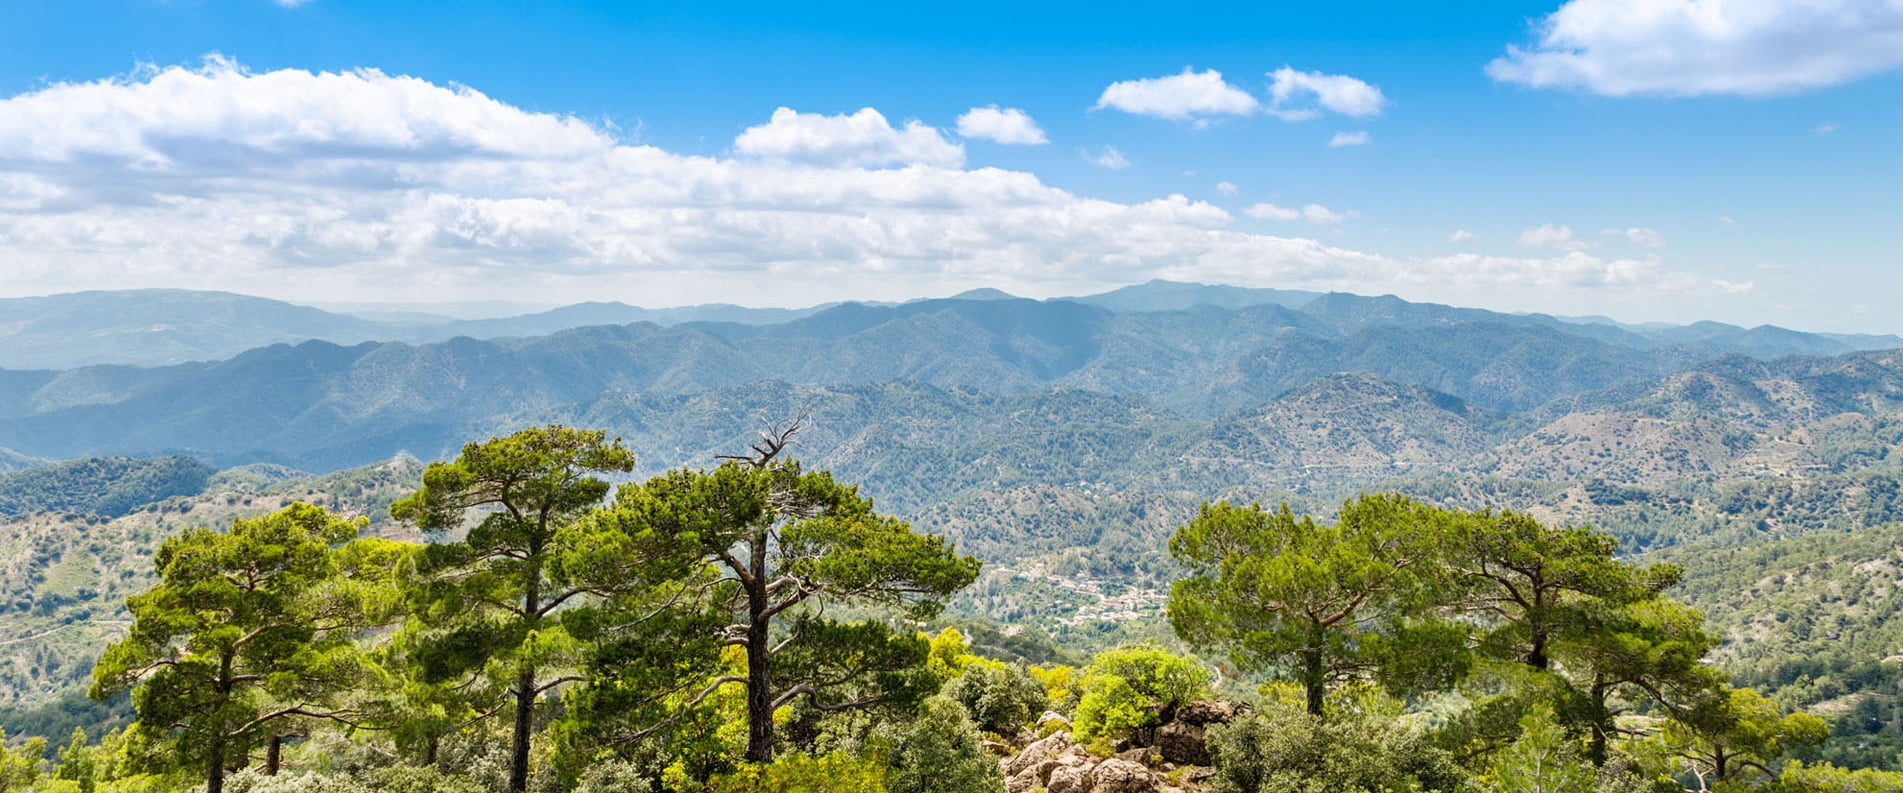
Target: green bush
835, 773
1131, 689
1286, 750
1000, 698
943, 753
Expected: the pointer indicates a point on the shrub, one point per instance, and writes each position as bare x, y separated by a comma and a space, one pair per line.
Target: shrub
1131, 689
1000, 698
943, 753
835, 773
1285, 750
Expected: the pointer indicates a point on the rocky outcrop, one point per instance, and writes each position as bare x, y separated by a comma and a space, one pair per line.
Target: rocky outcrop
1057, 764
1181, 741
1122, 776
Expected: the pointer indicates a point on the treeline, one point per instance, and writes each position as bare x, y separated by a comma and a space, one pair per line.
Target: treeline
104, 486
759, 627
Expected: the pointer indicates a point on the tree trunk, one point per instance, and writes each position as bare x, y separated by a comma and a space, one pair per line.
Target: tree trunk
1596, 747
759, 655
215, 768
1536, 657
759, 695
525, 678
524, 723
430, 746
273, 754
1314, 674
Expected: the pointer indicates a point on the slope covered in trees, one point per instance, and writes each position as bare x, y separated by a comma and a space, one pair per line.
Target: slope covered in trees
755, 626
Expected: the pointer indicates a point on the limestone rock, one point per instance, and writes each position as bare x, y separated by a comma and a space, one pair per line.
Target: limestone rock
1204, 712
1038, 752
1122, 776
1051, 718
1071, 779
1182, 743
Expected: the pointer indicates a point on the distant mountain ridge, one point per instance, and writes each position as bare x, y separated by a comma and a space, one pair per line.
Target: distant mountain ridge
165, 327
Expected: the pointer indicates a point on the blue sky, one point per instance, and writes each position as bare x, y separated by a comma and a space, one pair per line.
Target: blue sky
1646, 159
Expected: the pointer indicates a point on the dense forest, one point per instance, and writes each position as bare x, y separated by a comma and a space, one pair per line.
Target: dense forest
513, 619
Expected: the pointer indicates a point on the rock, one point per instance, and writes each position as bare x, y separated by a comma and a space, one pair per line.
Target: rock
1071, 779
1197, 773
1181, 742
1139, 755
1037, 752
1050, 718
1122, 776
1021, 783
997, 748
1076, 756
1204, 712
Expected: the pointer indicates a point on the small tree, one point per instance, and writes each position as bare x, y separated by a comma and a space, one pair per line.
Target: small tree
483, 603
1738, 733
21, 768
1001, 698
1536, 585
245, 631
1135, 688
773, 545
1318, 604
941, 753
1542, 760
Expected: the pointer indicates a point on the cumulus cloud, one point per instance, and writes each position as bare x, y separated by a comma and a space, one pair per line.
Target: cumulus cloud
334, 185
1179, 97
1694, 47
1551, 236
1649, 238
1313, 213
1296, 96
1107, 158
1460, 235
1824, 129
861, 139
1348, 139
1226, 188
1009, 126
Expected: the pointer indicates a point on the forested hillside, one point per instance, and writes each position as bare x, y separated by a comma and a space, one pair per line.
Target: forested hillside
1061, 444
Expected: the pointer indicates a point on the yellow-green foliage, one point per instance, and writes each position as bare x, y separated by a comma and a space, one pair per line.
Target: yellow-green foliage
20, 768
834, 773
1130, 688
1060, 686
1827, 778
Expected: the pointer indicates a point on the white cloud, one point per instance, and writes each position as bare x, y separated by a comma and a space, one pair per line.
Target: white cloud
1295, 96
1694, 47
1649, 238
862, 139
330, 186
1734, 287
1313, 213
1727, 220
1460, 235
1001, 125
291, 3
1341, 139
1179, 97
1824, 129
1551, 236
1226, 188
1108, 158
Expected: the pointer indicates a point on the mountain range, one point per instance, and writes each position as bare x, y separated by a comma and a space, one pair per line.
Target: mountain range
1059, 440
160, 327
